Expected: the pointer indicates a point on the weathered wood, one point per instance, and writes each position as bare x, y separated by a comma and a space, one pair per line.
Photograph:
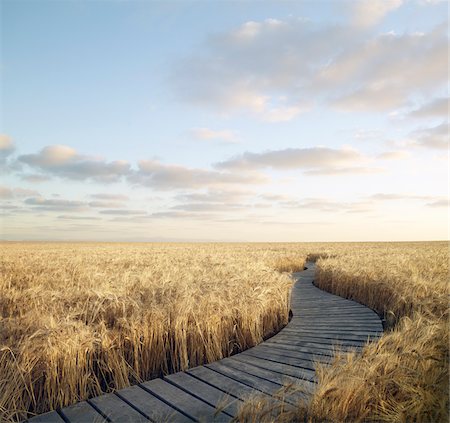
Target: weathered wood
222, 382
267, 350
82, 412
250, 380
275, 366
152, 407
116, 410
184, 402
205, 392
50, 417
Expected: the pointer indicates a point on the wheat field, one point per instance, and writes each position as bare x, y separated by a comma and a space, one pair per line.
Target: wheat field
403, 377
78, 319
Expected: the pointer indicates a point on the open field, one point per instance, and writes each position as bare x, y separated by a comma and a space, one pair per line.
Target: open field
78, 319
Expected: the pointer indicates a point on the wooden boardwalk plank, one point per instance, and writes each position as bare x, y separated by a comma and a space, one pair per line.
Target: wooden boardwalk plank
115, 409
82, 412
274, 366
224, 383
276, 349
207, 393
50, 417
184, 402
152, 407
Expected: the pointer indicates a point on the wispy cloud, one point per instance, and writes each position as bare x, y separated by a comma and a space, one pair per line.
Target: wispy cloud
366, 13
123, 212
368, 72
66, 162
161, 176
110, 197
10, 193
319, 160
44, 204
435, 108
435, 137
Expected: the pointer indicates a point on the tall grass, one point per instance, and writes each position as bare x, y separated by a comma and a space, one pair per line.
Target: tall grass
405, 375
81, 319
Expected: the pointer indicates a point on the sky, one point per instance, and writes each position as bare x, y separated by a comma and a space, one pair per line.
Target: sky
224, 120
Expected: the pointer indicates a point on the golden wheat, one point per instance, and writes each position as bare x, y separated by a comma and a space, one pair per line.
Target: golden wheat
81, 319
405, 375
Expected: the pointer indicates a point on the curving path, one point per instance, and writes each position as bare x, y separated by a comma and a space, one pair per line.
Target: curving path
321, 321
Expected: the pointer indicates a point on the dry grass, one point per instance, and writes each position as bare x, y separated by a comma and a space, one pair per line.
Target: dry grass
403, 377
80, 319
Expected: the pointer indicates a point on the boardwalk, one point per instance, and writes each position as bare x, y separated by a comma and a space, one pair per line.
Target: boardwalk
321, 321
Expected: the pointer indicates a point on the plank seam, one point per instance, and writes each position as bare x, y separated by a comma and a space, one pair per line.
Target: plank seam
195, 396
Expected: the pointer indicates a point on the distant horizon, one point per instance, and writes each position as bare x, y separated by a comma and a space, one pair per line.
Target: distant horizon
222, 122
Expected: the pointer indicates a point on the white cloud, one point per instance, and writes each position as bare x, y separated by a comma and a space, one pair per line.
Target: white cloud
168, 176
367, 13
66, 162
314, 160
437, 107
436, 137
357, 71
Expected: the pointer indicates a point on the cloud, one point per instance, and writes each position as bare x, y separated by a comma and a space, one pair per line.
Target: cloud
105, 204
44, 204
367, 13
384, 73
9, 193
6, 146
393, 155
435, 137
358, 71
70, 217
215, 196
206, 134
165, 177
123, 212
65, 162
209, 207
314, 160
395, 196
34, 178
439, 203
110, 197
327, 205
437, 107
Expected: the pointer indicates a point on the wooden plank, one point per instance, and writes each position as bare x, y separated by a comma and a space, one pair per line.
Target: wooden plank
184, 402
277, 349
323, 341
213, 396
222, 382
50, 417
332, 330
246, 365
115, 409
325, 353
255, 382
82, 412
307, 366
338, 336
314, 344
291, 389
274, 366
152, 407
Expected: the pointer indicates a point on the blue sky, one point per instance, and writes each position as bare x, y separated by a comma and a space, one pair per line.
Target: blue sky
224, 121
